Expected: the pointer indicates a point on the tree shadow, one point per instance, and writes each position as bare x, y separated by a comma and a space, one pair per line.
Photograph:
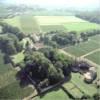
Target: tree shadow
7, 59
56, 87
24, 81
41, 95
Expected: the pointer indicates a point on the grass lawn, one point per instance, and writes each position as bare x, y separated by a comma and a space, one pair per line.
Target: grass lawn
73, 90
55, 95
85, 47
57, 20
4, 67
9, 86
14, 91
47, 28
81, 26
88, 89
26, 23
18, 57
66, 23
29, 24
95, 57
34, 24
15, 21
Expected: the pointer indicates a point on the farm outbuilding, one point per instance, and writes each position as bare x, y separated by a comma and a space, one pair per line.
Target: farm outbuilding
90, 76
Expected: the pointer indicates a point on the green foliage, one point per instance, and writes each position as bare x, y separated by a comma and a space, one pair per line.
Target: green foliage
90, 16
6, 28
85, 47
9, 44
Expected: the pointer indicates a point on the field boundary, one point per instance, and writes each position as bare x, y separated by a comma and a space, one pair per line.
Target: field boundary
90, 53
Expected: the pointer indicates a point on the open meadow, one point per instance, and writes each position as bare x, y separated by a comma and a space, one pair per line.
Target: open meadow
85, 47
9, 86
95, 57
34, 24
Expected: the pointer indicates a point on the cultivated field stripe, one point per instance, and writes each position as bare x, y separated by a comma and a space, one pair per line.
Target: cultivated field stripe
90, 53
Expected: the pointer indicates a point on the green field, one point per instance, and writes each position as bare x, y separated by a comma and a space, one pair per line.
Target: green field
4, 67
18, 58
57, 20
95, 57
81, 26
85, 47
76, 87
26, 23
34, 24
48, 28
88, 89
14, 91
55, 95
9, 86
73, 90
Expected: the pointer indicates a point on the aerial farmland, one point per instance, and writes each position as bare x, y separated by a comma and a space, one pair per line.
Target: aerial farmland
49, 54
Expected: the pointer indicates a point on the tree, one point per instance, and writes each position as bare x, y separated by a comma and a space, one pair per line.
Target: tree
84, 36
10, 44
96, 96
10, 48
40, 67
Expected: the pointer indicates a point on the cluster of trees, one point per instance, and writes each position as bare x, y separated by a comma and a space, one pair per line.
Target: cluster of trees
90, 16
12, 30
10, 39
47, 63
86, 35
65, 38
9, 44
59, 39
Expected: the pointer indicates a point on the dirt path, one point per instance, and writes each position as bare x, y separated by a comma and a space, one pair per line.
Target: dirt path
34, 90
80, 58
90, 53
30, 97
66, 53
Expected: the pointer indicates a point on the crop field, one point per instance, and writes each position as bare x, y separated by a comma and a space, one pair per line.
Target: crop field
73, 90
4, 67
48, 28
81, 26
76, 87
57, 20
9, 86
78, 81
14, 91
34, 24
95, 57
65, 23
26, 24
85, 47
58, 94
